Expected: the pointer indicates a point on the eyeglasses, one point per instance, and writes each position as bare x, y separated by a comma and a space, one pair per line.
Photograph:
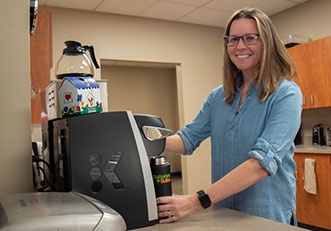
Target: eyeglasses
248, 39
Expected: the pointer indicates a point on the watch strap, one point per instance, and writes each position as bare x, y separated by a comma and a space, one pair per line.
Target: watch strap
204, 199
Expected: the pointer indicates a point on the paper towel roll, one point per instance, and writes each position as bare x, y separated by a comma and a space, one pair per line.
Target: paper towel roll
310, 177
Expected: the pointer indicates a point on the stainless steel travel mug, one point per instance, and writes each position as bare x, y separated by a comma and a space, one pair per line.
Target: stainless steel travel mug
160, 168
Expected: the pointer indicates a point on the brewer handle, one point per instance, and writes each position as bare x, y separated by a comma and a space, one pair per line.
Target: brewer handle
156, 133
91, 50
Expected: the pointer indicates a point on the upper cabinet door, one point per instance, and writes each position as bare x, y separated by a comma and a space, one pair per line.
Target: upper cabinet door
40, 61
313, 63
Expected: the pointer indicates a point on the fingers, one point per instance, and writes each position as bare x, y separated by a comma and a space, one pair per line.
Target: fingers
167, 217
166, 210
163, 200
164, 204
164, 214
167, 220
163, 208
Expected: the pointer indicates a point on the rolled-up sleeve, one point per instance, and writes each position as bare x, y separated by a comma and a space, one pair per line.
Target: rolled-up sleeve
199, 129
281, 128
266, 155
189, 147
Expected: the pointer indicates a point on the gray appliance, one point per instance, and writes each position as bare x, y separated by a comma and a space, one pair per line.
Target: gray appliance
328, 135
50, 211
318, 135
105, 156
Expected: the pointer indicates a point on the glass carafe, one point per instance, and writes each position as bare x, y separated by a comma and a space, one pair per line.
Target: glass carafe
75, 62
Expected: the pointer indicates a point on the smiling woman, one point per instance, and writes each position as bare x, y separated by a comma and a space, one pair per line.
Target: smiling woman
273, 54
252, 120
246, 56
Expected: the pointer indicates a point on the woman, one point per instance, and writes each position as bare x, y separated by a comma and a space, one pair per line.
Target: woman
252, 120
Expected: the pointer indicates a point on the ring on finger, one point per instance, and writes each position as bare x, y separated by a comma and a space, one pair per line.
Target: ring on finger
169, 213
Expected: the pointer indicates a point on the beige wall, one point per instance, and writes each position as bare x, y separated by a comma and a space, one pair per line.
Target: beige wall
198, 49
311, 19
15, 139
145, 90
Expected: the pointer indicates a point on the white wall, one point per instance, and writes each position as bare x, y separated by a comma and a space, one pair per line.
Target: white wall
15, 133
197, 48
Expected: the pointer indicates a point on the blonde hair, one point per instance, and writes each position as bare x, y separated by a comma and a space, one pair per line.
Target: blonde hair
276, 64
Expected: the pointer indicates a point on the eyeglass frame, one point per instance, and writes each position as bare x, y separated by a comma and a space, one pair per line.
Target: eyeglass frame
226, 39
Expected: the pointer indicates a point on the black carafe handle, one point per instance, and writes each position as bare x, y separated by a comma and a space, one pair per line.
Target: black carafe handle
91, 50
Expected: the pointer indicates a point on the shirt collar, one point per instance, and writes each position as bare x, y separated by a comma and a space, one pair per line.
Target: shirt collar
239, 81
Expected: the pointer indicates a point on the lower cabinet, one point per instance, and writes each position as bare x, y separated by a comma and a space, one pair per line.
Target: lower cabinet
314, 209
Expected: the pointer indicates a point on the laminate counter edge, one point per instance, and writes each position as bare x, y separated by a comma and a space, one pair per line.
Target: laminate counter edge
312, 149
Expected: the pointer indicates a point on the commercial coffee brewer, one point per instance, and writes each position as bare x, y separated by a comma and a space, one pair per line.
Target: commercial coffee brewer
106, 156
101, 155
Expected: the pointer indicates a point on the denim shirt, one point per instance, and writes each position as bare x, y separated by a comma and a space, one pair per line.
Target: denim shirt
264, 131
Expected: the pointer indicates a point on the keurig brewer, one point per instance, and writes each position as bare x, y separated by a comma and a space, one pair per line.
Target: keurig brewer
101, 155
105, 156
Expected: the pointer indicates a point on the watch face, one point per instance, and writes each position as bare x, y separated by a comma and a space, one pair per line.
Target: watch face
204, 199
33, 15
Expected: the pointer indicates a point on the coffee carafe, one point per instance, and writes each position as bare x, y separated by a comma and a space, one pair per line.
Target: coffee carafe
75, 62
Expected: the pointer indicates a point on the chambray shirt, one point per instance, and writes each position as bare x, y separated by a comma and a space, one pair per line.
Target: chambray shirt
264, 131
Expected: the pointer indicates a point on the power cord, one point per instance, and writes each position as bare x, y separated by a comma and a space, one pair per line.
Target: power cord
41, 182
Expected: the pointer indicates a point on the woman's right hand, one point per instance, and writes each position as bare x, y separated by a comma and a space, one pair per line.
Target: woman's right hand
173, 208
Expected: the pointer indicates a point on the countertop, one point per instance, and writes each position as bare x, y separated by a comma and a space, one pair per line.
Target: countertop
217, 218
312, 149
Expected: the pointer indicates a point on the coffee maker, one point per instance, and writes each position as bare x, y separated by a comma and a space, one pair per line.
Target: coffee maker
318, 135
105, 156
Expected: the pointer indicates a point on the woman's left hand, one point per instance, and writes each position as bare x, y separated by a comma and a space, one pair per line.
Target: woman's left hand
172, 208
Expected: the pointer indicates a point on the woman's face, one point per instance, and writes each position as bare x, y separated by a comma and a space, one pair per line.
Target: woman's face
245, 57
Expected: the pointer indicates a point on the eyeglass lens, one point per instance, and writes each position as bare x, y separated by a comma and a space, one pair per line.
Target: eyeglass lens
248, 39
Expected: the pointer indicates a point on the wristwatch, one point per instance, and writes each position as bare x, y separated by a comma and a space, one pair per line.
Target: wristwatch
204, 199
